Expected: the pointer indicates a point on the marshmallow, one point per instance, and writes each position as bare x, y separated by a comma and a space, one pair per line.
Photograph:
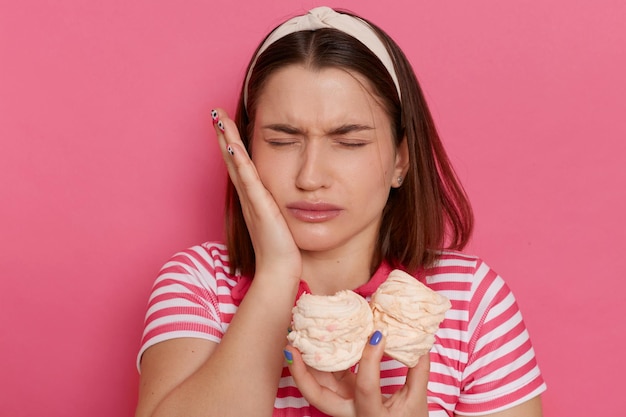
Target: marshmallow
408, 313
331, 331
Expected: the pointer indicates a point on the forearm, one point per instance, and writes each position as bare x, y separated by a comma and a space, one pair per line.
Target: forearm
240, 378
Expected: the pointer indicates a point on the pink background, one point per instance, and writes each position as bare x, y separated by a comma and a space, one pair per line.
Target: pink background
108, 166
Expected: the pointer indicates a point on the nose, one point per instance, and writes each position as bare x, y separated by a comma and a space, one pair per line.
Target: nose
314, 170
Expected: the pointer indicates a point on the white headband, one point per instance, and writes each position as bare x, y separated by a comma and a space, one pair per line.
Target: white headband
325, 17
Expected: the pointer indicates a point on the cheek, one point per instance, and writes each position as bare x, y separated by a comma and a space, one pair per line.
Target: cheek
378, 171
271, 171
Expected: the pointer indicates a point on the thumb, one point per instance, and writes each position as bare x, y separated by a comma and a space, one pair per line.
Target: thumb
367, 398
372, 354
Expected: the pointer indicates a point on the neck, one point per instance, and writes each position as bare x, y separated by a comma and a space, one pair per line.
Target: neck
327, 273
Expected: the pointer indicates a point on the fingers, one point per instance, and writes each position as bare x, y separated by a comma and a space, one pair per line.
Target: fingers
305, 381
254, 197
324, 391
276, 252
367, 396
240, 168
309, 382
321, 390
369, 365
410, 400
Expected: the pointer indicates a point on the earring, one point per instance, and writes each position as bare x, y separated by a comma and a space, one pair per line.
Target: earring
399, 181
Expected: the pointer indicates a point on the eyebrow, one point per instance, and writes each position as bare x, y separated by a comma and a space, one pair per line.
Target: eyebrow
340, 130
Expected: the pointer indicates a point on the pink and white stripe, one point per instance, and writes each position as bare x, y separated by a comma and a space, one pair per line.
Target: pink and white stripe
482, 360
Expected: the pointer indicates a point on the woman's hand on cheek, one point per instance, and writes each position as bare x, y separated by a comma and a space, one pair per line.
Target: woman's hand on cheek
275, 250
344, 394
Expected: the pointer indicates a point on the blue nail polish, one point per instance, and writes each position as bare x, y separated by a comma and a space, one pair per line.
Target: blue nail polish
376, 338
288, 356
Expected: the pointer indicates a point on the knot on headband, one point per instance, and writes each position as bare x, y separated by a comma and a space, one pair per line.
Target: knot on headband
325, 17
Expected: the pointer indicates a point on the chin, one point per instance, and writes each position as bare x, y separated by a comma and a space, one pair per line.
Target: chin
313, 247
316, 243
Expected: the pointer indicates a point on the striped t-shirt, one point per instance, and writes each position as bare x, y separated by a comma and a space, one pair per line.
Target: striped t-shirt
482, 360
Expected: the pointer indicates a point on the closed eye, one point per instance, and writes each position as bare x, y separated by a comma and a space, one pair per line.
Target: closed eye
281, 142
352, 144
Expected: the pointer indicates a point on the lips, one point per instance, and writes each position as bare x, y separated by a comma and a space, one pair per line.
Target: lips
313, 212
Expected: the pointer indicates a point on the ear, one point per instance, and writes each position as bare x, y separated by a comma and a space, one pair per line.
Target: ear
402, 163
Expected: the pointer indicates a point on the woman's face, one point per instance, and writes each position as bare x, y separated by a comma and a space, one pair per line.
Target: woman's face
323, 147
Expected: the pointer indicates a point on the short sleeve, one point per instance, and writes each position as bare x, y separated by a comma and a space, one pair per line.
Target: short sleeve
184, 301
501, 369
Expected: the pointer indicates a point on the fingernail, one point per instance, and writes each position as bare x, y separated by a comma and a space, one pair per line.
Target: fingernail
288, 356
214, 116
220, 124
230, 150
376, 338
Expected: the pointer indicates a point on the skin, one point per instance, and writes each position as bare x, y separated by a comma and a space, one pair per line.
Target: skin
319, 137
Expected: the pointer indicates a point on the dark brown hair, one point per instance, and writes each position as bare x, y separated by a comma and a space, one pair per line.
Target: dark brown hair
430, 211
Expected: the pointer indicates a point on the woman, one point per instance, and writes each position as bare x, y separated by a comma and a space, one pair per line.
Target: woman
337, 175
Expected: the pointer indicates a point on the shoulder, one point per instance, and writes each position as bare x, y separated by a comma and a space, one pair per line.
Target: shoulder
191, 297
472, 286
201, 265
206, 254
459, 271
